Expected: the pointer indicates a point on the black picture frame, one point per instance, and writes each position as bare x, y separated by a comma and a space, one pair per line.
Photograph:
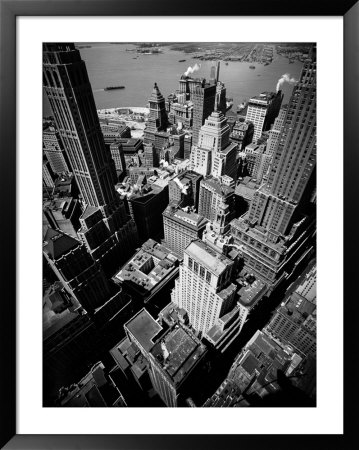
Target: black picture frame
9, 10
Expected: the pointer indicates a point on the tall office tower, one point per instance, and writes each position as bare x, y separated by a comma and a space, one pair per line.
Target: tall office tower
262, 110
205, 289
54, 151
213, 194
275, 131
147, 206
277, 230
108, 232
174, 356
294, 159
118, 158
187, 146
215, 154
181, 226
203, 98
155, 132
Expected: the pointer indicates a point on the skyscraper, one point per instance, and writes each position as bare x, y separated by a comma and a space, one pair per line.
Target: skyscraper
214, 153
277, 230
262, 110
155, 132
203, 97
108, 232
293, 160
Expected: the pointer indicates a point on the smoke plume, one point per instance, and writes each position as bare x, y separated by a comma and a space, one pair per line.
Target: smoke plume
192, 69
285, 79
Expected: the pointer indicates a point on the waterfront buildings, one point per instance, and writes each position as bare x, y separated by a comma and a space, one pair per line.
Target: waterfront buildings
106, 230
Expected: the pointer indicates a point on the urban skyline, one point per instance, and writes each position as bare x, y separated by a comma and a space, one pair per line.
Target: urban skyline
179, 238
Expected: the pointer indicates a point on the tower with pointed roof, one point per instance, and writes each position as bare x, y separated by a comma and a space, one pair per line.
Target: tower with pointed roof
215, 154
155, 133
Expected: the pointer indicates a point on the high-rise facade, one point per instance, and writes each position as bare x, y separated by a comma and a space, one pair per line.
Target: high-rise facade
203, 98
206, 291
54, 151
107, 231
214, 195
262, 110
214, 154
81, 276
294, 158
155, 132
181, 227
279, 226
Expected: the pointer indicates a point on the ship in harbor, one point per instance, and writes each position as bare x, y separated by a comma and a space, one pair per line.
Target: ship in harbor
252, 67
112, 88
181, 60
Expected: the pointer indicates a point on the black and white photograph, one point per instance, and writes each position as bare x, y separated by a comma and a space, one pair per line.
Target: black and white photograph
179, 231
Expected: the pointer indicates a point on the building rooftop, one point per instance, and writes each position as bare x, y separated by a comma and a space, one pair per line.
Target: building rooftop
191, 220
242, 224
89, 210
57, 243
144, 328
178, 351
217, 186
150, 265
209, 258
251, 293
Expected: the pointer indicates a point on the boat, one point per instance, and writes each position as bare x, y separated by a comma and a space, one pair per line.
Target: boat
252, 67
111, 88
181, 60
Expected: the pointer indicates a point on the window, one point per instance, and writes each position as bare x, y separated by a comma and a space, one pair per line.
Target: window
208, 277
195, 267
201, 271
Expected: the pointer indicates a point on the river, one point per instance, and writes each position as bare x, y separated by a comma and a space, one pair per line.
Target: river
110, 64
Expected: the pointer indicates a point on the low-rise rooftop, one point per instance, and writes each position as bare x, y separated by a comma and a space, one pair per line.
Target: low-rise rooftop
144, 328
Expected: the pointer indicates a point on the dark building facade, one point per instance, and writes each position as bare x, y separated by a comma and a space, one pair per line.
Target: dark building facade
280, 224
108, 233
